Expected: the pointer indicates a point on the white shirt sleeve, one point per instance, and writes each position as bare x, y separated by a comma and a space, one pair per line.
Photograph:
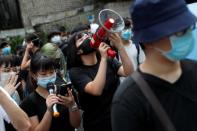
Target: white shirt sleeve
4, 115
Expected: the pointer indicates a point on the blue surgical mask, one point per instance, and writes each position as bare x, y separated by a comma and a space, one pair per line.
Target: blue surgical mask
56, 39
6, 50
43, 81
181, 46
126, 34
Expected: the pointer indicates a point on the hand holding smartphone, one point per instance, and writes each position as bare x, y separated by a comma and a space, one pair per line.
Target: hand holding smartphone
63, 88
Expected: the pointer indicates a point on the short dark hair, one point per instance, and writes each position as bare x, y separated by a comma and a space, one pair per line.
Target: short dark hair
73, 59
80, 28
41, 62
34, 39
3, 44
127, 22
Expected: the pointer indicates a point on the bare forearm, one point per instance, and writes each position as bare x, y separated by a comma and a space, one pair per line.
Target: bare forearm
75, 118
126, 62
45, 123
99, 81
25, 61
18, 117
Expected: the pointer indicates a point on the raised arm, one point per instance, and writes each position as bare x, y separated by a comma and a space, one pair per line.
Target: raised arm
96, 86
17, 116
127, 66
26, 61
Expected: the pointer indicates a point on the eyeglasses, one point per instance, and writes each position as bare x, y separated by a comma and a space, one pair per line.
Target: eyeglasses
183, 32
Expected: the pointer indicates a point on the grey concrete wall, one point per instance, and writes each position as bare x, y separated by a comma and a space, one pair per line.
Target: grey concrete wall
68, 13
121, 7
45, 11
74, 17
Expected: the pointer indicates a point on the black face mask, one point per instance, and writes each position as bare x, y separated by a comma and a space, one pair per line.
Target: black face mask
85, 47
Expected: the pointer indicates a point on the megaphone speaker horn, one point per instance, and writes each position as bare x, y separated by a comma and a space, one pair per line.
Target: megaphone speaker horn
115, 21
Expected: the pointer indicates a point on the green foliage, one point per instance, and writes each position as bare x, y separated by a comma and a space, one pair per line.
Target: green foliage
14, 41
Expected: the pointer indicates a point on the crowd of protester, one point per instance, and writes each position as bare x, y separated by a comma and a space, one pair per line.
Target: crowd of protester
86, 86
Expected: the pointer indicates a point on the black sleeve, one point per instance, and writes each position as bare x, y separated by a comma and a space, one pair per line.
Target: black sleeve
79, 79
28, 106
115, 64
127, 108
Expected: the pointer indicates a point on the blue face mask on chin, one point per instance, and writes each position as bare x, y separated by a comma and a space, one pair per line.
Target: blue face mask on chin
43, 81
126, 34
181, 46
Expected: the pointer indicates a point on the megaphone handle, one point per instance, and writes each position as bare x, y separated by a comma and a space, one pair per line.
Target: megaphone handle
111, 53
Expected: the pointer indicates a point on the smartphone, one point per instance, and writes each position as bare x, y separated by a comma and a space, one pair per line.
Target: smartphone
64, 87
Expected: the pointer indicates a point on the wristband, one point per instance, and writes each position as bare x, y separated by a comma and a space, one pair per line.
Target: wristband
73, 108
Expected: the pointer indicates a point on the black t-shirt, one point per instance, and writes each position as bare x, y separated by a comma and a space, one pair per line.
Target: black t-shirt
96, 114
35, 105
132, 112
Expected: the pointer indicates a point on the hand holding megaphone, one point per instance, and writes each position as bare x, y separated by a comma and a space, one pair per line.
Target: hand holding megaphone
97, 37
110, 21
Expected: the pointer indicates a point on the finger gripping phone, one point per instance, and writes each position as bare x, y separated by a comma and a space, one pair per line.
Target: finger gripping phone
63, 88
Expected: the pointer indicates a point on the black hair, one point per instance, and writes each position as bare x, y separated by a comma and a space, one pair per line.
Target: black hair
41, 62
80, 28
3, 44
51, 34
127, 22
34, 39
73, 59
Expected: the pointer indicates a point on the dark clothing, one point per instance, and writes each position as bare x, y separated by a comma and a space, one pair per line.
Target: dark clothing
96, 108
132, 112
26, 76
35, 105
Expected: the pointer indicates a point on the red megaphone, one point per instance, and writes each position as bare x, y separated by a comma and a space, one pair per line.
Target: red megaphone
97, 37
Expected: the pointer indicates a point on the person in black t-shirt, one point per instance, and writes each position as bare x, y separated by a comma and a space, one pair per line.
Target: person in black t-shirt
96, 79
168, 38
38, 105
33, 44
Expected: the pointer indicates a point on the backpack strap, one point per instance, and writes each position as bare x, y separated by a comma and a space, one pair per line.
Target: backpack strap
153, 100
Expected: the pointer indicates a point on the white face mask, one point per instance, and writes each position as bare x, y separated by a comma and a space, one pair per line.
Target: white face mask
4, 77
56, 39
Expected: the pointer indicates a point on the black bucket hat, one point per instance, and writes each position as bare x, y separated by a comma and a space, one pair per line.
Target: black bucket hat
155, 19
